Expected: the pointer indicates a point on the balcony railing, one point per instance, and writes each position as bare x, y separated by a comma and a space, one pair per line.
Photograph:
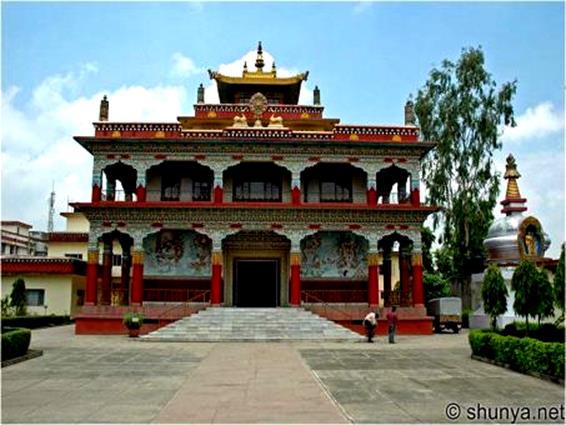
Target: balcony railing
358, 198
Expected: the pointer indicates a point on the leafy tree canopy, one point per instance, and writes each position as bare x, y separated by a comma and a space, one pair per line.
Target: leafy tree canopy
462, 110
494, 294
523, 283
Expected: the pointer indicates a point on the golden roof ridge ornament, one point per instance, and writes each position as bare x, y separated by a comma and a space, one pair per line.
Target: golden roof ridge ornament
259, 63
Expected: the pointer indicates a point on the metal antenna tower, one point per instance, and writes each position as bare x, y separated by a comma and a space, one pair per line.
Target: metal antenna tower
51, 209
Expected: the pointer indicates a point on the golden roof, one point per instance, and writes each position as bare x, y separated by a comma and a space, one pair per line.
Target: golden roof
258, 76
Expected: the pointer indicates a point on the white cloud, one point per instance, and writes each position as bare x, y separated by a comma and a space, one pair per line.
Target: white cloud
38, 147
361, 6
235, 69
183, 66
535, 123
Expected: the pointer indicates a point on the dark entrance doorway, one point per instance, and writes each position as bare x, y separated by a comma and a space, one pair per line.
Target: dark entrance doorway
256, 283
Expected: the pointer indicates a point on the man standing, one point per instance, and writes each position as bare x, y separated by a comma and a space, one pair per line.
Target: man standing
370, 323
392, 324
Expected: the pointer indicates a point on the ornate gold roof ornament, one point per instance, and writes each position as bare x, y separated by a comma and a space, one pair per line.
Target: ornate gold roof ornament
259, 59
258, 105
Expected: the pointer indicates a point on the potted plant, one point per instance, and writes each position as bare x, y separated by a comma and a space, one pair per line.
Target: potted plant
133, 321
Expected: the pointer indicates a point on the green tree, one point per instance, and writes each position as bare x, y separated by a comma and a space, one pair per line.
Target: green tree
427, 238
523, 283
544, 295
559, 283
435, 286
494, 294
462, 110
18, 297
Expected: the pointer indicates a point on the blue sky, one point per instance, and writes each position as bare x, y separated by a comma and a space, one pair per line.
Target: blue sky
59, 58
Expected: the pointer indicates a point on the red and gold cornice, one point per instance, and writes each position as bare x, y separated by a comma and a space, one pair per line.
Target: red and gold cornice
42, 265
212, 142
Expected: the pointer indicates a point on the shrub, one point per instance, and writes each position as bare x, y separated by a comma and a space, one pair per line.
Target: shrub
546, 332
521, 354
34, 322
15, 342
18, 298
133, 320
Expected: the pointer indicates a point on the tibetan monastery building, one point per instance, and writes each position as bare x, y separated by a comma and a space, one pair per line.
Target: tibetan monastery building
256, 201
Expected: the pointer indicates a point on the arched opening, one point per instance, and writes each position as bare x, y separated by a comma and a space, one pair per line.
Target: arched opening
119, 182
178, 181
334, 268
393, 186
396, 269
328, 183
257, 182
116, 267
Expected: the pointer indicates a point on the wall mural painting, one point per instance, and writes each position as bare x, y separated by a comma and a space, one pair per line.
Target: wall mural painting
334, 255
177, 253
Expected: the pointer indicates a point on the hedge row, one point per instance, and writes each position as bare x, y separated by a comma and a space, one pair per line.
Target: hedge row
34, 322
15, 343
546, 332
521, 354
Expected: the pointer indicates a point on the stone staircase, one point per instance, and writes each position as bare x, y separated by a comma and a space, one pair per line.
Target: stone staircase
252, 324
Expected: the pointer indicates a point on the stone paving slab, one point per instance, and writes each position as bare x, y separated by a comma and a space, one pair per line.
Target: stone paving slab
115, 379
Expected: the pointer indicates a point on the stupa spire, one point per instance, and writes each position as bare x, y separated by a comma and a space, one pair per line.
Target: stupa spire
513, 201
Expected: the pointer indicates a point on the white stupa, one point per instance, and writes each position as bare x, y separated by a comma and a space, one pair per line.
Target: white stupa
510, 239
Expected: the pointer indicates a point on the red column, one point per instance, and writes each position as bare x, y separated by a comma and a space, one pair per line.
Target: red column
295, 283
418, 290
125, 278
415, 197
218, 195
387, 278
96, 193
106, 274
296, 196
371, 197
216, 279
91, 277
373, 280
140, 193
404, 278
137, 278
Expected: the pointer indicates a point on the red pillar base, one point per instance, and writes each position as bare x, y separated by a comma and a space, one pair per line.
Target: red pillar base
296, 196
140, 193
371, 196
415, 198
218, 195
96, 193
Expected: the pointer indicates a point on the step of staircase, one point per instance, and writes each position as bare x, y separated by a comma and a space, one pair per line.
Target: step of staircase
217, 324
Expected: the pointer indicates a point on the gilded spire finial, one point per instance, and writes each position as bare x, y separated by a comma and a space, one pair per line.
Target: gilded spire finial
259, 60
245, 67
512, 174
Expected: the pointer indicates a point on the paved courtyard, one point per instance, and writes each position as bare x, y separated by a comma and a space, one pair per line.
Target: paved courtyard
114, 379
